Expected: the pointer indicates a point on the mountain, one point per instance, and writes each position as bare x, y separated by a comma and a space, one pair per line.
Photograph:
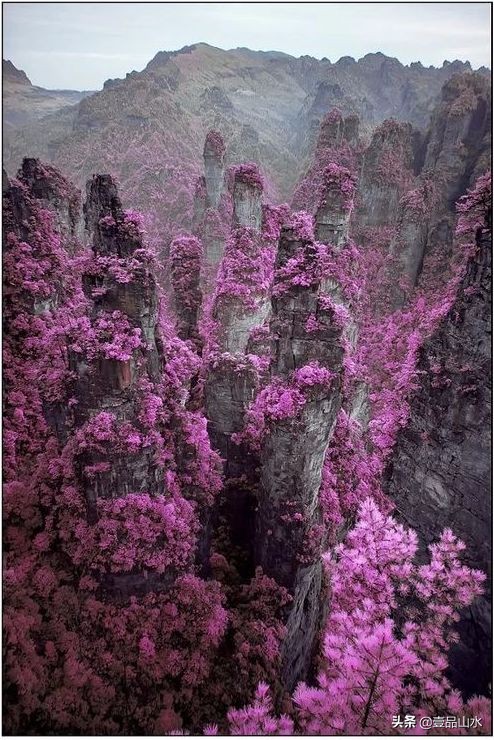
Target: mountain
12, 74
24, 103
148, 129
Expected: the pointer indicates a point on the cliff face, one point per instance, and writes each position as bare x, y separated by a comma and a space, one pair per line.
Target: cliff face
387, 172
440, 470
459, 135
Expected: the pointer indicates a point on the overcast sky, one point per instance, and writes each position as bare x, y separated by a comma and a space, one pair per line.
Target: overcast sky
79, 46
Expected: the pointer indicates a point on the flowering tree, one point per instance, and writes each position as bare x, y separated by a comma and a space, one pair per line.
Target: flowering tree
386, 639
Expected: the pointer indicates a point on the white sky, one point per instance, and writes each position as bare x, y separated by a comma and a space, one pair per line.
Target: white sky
80, 45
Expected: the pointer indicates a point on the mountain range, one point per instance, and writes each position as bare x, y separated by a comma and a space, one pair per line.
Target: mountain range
148, 129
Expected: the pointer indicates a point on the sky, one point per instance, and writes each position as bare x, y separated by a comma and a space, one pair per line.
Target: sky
80, 45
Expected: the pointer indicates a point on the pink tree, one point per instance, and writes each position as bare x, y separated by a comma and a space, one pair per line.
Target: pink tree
373, 665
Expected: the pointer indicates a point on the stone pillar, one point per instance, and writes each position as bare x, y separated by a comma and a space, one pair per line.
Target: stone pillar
57, 194
332, 219
387, 172
457, 147
214, 168
212, 209
247, 196
185, 262
331, 130
292, 457
236, 316
106, 381
337, 144
232, 376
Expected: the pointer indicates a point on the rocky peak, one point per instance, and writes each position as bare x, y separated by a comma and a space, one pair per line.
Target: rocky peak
162, 57
10, 73
56, 193
333, 215
105, 219
387, 172
213, 204
346, 61
459, 134
186, 254
338, 145
456, 66
327, 95
375, 59
389, 136
331, 129
457, 150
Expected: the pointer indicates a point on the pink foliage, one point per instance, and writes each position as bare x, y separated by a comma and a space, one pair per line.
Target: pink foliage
214, 144
281, 401
333, 159
248, 174
185, 256
74, 659
371, 671
338, 179
81, 659
258, 718
246, 271
137, 531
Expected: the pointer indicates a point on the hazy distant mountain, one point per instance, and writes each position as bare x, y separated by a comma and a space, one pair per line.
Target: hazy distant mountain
148, 129
24, 102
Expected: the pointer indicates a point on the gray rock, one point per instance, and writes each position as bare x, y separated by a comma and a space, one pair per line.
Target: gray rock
291, 465
440, 471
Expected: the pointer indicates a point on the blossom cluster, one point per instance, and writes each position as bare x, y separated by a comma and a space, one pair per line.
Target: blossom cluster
280, 401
